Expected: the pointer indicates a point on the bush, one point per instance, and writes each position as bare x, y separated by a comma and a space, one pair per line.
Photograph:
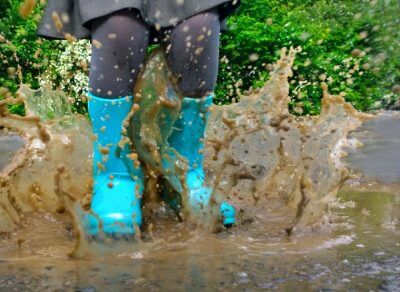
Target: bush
23, 55
350, 44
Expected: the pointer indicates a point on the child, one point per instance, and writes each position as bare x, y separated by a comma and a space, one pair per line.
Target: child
120, 31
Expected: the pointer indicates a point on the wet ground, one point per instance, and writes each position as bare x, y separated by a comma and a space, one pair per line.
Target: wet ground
380, 157
361, 251
8, 144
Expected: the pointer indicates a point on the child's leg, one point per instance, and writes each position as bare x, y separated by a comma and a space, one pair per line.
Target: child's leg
193, 54
119, 47
193, 57
119, 44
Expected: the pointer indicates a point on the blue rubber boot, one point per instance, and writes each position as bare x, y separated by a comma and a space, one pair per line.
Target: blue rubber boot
116, 191
187, 138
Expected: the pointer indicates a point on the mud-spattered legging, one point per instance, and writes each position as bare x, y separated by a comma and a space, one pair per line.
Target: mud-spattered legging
120, 41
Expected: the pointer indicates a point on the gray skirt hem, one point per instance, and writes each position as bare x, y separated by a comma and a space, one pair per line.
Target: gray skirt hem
79, 17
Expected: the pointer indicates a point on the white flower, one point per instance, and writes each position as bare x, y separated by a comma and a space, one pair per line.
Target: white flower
65, 71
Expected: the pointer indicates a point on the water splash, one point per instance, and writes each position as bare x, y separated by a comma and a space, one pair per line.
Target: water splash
258, 156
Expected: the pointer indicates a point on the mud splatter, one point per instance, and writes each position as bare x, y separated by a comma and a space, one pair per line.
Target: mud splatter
258, 155
270, 161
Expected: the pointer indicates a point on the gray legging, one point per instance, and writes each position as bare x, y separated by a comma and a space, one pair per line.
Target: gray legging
120, 41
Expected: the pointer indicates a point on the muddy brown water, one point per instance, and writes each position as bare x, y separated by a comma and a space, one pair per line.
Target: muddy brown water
358, 247
361, 252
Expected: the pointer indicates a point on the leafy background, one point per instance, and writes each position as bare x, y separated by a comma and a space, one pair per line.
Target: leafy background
351, 45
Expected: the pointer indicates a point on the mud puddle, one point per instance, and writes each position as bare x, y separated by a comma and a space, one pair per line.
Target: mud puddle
361, 252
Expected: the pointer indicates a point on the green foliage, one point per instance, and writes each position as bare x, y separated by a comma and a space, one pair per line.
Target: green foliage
22, 55
351, 45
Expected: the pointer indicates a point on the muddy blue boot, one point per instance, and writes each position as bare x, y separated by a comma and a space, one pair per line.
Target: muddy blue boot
116, 191
187, 138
